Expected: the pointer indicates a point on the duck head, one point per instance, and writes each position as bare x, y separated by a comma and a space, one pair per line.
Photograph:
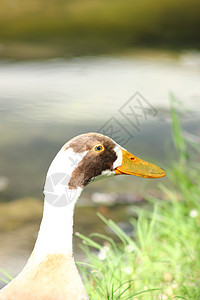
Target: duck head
88, 157
101, 156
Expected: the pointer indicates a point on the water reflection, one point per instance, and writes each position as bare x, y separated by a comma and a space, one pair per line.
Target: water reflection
89, 89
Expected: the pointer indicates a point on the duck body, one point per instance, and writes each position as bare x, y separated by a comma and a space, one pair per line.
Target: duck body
51, 273
55, 278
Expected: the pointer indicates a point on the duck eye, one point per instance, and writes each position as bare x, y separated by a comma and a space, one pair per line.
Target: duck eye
98, 148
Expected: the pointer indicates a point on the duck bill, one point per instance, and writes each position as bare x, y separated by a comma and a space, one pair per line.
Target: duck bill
132, 165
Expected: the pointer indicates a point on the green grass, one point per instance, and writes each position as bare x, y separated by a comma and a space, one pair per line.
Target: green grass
162, 261
7, 277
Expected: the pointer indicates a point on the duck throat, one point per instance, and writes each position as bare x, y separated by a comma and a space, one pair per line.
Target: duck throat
56, 230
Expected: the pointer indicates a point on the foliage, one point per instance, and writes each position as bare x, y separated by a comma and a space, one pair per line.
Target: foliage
162, 260
92, 27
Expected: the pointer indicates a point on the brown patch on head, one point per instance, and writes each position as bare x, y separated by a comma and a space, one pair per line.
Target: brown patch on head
87, 141
93, 163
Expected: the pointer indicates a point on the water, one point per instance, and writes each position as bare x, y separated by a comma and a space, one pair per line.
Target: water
90, 90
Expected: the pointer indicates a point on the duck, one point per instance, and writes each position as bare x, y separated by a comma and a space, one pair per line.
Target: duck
50, 272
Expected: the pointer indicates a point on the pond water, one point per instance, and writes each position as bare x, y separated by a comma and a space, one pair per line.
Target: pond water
91, 90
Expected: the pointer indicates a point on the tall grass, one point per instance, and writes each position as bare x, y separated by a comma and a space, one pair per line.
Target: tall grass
162, 261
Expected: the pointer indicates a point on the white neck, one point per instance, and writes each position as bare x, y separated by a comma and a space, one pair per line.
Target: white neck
56, 230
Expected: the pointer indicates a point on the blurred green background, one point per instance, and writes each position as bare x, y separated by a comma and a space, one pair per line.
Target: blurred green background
42, 28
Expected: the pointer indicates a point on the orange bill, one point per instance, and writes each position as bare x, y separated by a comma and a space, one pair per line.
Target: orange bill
132, 165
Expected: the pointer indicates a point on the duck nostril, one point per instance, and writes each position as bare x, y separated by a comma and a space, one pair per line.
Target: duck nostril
132, 158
